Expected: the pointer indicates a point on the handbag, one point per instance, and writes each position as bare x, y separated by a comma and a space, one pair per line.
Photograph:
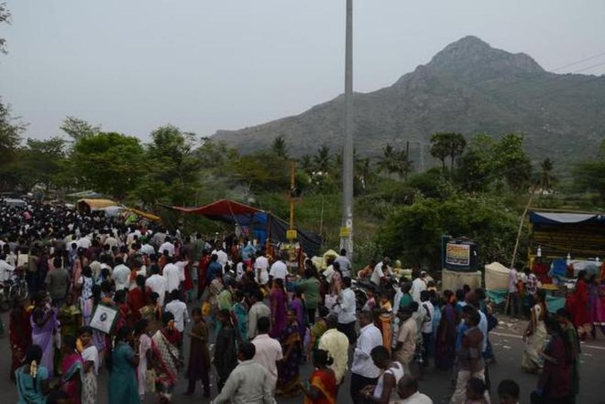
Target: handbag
150, 380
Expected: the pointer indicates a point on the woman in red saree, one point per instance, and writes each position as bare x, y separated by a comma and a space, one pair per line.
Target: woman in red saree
166, 357
202, 272
579, 305
137, 298
20, 331
321, 388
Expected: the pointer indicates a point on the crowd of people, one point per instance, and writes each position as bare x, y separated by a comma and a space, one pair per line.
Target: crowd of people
252, 325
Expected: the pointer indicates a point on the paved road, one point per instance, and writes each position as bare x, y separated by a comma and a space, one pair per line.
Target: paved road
508, 347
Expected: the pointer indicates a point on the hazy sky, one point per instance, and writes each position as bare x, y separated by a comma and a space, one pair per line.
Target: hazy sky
204, 65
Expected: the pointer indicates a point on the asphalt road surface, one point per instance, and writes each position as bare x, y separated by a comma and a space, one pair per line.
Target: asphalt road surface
506, 340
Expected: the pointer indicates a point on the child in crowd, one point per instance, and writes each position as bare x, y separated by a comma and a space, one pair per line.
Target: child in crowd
475, 391
509, 392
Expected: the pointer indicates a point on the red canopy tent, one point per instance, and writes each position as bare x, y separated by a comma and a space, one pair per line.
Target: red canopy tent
220, 208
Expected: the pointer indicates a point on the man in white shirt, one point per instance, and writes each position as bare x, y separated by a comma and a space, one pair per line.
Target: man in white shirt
167, 246
84, 242
345, 263
346, 307
363, 371
221, 255
179, 309
261, 268
427, 325
329, 271
407, 389
398, 296
514, 301
380, 271
157, 283
173, 276
418, 285
147, 249
121, 274
268, 351
279, 270
110, 241
6, 270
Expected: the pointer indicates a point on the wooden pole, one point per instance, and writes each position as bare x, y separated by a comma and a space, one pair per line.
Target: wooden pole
521, 229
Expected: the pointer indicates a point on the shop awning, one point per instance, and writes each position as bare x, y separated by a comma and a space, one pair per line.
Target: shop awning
564, 218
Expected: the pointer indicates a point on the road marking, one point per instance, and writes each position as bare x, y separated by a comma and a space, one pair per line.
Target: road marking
584, 345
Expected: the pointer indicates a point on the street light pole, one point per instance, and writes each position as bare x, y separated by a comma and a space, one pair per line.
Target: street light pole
346, 231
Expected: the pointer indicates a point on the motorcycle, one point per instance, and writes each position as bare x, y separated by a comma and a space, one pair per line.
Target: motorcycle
15, 288
361, 287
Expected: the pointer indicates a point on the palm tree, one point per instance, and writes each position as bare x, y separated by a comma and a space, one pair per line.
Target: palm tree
322, 160
457, 144
403, 165
546, 180
306, 163
439, 148
388, 161
280, 147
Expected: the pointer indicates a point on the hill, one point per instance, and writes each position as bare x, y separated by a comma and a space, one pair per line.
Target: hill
468, 87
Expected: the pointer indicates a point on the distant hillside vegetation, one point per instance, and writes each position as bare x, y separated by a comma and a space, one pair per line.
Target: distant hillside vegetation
468, 87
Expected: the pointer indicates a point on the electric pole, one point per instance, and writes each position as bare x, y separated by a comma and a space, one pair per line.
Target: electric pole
346, 231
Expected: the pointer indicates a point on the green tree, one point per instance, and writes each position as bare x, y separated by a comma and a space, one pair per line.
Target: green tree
403, 165
305, 163
363, 172
172, 166
78, 128
414, 232
440, 148
45, 161
5, 17
215, 156
263, 171
512, 162
110, 163
10, 138
322, 161
279, 147
475, 171
445, 145
387, 162
589, 175
457, 144
546, 180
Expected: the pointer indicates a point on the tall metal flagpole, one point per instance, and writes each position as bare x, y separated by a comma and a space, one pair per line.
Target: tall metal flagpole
346, 231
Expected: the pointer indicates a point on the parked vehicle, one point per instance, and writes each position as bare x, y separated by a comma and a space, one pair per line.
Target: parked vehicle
13, 289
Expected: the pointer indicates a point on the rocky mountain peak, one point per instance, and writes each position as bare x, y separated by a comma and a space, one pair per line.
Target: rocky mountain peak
472, 56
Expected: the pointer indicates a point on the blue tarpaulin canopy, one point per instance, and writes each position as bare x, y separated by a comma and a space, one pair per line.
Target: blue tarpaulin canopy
564, 218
